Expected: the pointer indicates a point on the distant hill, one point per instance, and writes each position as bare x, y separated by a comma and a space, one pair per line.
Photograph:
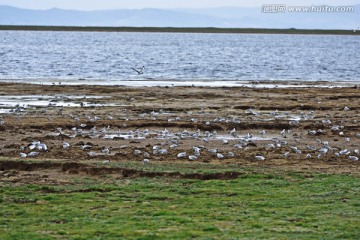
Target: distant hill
207, 17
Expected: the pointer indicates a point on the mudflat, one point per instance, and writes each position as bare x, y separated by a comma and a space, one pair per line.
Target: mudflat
303, 129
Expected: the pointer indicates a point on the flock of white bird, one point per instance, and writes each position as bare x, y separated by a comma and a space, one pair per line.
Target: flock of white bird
299, 145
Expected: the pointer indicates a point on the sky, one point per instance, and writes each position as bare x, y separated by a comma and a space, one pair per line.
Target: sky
119, 4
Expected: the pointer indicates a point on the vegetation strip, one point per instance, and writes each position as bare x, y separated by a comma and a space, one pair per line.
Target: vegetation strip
179, 30
285, 205
75, 168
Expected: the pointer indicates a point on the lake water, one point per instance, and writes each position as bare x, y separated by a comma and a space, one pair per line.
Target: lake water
108, 57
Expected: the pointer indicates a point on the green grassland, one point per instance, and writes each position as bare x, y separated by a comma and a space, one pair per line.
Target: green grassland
180, 30
260, 204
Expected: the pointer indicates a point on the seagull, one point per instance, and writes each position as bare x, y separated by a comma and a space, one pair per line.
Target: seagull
261, 158
141, 71
233, 132
196, 151
105, 151
353, 158
181, 155
263, 132
192, 157
33, 154
66, 145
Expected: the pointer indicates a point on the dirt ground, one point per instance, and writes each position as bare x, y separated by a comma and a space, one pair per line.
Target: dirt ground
313, 119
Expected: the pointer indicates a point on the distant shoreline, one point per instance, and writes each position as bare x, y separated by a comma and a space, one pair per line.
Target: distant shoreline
179, 30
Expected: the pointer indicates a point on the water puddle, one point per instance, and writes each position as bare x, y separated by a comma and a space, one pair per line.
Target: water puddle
18, 103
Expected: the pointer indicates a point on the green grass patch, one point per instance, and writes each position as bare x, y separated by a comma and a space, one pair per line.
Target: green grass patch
277, 205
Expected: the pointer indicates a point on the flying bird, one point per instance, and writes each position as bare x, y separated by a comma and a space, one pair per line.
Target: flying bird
139, 71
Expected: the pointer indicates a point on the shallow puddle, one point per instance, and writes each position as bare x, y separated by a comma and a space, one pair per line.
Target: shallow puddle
17, 103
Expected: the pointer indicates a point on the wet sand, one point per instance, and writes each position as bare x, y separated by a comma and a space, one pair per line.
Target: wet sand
125, 119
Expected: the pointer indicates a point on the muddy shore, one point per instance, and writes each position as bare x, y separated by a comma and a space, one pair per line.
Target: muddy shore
289, 127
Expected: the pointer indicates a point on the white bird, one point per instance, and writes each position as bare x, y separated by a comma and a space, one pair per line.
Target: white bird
238, 146
283, 133
262, 133
91, 154
294, 149
213, 150
287, 154
139, 71
163, 151
270, 145
225, 141
346, 108
146, 161
32, 147
219, 155
42, 147
231, 154
23, 155
335, 128
196, 151
313, 132
85, 146
233, 132
137, 152
181, 155
353, 158
344, 152
106, 161
66, 145
261, 158
323, 150
33, 154
192, 157
105, 151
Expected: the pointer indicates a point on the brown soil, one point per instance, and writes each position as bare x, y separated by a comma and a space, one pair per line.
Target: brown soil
156, 108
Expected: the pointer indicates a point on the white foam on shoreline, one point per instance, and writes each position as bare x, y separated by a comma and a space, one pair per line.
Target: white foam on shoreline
189, 83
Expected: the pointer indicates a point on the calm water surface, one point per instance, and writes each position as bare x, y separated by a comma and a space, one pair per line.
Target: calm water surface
177, 56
